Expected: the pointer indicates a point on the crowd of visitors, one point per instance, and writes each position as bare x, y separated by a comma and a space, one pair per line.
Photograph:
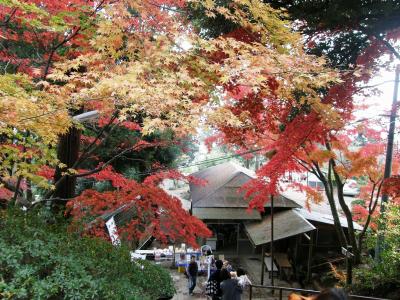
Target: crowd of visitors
223, 283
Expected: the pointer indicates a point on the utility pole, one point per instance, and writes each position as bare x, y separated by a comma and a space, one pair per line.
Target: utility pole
272, 241
388, 166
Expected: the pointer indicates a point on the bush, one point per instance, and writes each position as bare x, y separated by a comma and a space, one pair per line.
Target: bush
383, 279
42, 261
377, 280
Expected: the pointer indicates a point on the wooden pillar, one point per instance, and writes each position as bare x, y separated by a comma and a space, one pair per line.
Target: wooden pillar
262, 263
173, 257
237, 238
296, 249
310, 250
296, 255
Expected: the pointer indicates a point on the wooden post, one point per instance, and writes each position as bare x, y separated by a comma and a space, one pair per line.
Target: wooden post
237, 239
296, 255
310, 249
262, 263
272, 241
173, 257
296, 249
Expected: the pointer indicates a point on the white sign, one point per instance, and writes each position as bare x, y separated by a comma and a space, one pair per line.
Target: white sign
347, 253
112, 231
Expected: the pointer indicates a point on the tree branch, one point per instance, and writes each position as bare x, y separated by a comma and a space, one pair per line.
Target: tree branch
103, 166
96, 170
304, 164
17, 188
74, 32
371, 198
9, 186
388, 45
370, 212
7, 19
89, 149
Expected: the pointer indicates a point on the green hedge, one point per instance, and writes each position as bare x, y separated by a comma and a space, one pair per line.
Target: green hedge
42, 261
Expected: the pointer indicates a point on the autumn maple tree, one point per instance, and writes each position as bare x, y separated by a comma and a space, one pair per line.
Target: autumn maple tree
151, 67
102, 56
128, 61
299, 119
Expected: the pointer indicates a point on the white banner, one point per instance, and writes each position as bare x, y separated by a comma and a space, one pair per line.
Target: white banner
112, 230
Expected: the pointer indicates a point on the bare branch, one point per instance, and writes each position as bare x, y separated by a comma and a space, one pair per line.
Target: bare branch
388, 45
89, 149
103, 166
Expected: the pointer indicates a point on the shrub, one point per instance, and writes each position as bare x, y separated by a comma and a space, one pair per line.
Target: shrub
382, 279
41, 261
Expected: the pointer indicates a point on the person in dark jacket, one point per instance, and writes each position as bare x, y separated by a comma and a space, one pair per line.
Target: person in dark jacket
216, 276
192, 271
230, 287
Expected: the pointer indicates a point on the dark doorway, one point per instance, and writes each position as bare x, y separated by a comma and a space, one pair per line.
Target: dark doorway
226, 237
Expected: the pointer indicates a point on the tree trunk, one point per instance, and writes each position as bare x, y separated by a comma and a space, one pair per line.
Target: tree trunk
338, 227
350, 227
29, 194
68, 153
348, 215
327, 182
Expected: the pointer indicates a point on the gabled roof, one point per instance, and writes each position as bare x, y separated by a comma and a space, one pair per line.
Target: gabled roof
223, 188
216, 177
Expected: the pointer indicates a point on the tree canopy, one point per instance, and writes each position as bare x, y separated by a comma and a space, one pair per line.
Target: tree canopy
156, 70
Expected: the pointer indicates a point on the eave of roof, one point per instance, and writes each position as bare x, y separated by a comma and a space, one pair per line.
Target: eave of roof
286, 223
215, 213
325, 218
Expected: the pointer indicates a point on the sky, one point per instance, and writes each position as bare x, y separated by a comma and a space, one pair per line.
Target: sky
380, 104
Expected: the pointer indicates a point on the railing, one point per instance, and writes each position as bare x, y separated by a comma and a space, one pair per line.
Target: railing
281, 289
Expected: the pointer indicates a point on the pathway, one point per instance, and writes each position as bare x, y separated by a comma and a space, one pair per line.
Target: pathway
251, 264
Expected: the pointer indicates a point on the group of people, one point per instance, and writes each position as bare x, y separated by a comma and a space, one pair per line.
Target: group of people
223, 283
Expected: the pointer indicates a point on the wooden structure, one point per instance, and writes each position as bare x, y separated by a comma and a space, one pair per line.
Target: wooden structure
222, 206
299, 235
